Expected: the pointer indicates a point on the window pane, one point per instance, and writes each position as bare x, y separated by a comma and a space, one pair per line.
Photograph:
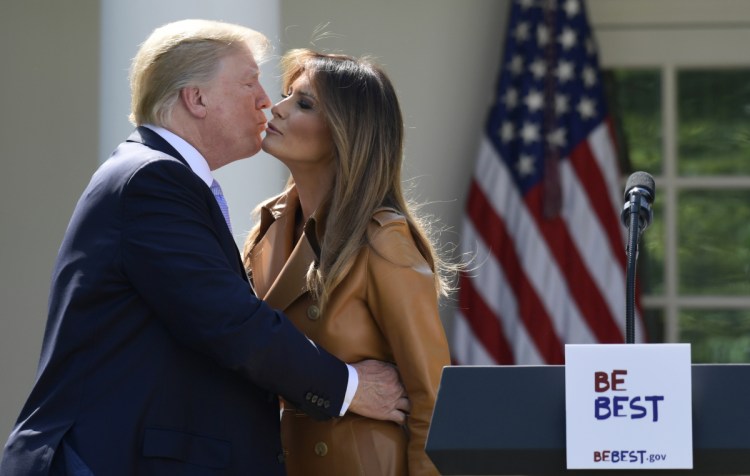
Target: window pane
651, 250
653, 319
714, 111
717, 336
714, 242
634, 98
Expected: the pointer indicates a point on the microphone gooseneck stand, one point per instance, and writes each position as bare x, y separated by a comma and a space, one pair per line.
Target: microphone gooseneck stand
636, 216
632, 253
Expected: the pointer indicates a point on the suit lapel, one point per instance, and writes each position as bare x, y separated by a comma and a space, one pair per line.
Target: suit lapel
152, 140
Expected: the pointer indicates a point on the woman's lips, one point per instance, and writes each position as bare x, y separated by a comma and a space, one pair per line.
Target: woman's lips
272, 129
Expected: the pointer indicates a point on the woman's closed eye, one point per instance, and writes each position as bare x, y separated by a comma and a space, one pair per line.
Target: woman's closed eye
303, 102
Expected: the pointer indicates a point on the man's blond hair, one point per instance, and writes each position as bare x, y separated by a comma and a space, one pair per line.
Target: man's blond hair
181, 54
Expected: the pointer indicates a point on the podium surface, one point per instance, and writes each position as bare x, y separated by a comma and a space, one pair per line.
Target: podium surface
498, 420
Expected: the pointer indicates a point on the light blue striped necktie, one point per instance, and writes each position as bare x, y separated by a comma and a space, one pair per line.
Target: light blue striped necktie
216, 189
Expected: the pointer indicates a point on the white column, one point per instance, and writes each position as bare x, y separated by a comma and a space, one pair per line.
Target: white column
124, 26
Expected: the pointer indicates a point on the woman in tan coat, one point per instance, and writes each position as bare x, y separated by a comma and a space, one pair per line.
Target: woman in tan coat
343, 255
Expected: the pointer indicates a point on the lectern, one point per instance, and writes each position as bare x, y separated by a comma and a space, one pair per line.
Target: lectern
498, 420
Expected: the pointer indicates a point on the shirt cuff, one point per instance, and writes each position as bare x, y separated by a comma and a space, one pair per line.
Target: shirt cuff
351, 389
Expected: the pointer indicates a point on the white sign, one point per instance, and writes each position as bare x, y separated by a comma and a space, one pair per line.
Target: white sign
628, 406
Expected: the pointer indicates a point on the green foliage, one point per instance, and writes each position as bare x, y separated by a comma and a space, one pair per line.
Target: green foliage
637, 96
716, 336
714, 242
714, 111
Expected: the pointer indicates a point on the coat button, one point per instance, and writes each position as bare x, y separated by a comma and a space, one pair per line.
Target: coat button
313, 313
321, 449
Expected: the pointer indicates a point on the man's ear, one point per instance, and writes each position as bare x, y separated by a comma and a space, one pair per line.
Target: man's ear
193, 100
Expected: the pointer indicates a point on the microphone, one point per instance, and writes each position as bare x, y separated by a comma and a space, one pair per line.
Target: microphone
639, 195
639, 192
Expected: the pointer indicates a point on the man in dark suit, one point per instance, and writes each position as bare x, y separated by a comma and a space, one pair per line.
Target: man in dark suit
157, 356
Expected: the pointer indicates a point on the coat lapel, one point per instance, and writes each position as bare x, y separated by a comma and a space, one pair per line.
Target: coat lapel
278, 269
269, 254
291, 282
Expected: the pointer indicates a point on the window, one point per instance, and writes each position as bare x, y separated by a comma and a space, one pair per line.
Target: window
680, 90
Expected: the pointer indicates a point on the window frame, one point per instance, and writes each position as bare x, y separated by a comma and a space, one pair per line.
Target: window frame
668, 36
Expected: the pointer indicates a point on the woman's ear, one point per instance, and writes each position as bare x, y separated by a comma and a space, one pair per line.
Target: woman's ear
193, 100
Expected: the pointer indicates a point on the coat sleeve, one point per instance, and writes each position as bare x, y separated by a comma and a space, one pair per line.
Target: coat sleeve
402, 295
173, 258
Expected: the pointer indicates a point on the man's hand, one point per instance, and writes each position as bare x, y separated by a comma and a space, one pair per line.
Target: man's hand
380, 393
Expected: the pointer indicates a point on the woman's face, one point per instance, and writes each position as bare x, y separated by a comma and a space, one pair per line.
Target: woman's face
298, 134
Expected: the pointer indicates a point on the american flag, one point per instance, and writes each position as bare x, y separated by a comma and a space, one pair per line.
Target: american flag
543, 207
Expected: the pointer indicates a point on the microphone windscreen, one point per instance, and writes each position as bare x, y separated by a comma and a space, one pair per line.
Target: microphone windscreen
642, 180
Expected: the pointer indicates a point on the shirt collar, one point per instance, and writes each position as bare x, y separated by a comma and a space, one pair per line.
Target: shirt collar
191, 155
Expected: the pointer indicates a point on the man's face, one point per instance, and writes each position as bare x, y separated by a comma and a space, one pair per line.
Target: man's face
234, 101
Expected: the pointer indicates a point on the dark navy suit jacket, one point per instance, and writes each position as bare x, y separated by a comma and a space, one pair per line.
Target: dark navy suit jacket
157, 357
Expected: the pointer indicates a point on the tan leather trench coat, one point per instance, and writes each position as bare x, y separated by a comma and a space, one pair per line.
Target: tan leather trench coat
386, 308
